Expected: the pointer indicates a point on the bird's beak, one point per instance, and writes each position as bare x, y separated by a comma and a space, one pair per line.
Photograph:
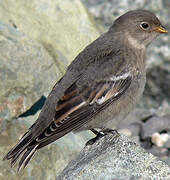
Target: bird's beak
160, 29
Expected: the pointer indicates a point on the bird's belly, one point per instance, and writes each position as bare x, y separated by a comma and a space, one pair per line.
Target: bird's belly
119, 109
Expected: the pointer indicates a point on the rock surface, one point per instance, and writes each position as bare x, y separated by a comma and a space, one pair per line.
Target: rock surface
64, 28
115, 157
155, 124
24, 65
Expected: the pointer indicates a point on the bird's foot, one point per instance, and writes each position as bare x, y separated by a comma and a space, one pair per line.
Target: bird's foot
93, 140
109, 131
100, 134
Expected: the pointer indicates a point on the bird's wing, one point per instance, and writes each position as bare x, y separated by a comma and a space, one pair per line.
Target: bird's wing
77, 107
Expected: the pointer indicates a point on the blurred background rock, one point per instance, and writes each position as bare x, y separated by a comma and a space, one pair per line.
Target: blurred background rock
38, 39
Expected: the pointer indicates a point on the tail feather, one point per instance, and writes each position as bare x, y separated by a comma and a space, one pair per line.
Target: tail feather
23, 143
26, 157
24, 149
16, 157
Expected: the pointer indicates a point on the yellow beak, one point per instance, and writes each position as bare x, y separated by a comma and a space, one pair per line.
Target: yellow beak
161, 29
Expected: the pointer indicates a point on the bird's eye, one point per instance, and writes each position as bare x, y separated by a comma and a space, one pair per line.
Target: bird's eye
144, 25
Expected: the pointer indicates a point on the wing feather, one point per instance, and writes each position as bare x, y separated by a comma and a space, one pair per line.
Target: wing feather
76, 110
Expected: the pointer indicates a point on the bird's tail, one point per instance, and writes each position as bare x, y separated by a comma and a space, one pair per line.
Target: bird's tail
26, 148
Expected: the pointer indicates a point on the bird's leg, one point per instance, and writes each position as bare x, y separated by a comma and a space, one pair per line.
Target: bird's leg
109, 131
94, 131
100, 134
93, 140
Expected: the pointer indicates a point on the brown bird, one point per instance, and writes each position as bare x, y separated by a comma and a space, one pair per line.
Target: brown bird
99, 88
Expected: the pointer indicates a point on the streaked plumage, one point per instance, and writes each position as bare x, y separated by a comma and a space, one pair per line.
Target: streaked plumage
100, 87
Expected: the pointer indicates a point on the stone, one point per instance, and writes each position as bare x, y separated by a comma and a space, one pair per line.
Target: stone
160, 139
115, 157
63, 28
167, 143
27, 72
131, 130
160, 152
137, 116
155, 124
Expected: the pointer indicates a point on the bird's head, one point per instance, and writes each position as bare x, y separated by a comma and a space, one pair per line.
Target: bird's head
141, 26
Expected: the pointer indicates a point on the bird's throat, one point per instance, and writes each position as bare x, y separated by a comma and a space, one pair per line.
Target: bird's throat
133, 42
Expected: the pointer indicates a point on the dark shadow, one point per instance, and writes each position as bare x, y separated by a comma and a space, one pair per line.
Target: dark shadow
34, 108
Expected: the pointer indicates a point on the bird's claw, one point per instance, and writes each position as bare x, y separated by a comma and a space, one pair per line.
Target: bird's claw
101, 134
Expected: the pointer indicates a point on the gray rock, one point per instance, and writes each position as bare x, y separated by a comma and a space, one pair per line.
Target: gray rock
159, 152
115, 157
136, 116
27, 72
134, 129
63, 28
106, 11
167, 144
133, 122
155, 124
167, 161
